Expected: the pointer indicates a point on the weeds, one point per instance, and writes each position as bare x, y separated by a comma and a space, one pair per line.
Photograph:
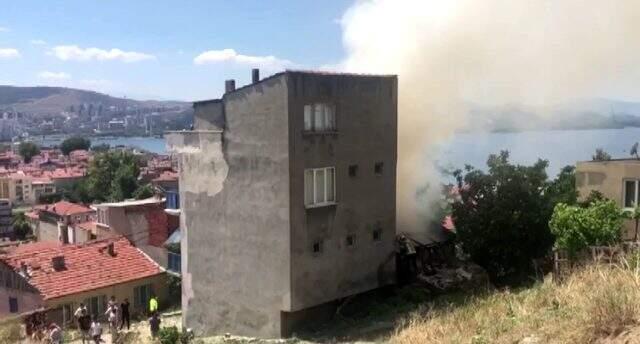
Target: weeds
595, 302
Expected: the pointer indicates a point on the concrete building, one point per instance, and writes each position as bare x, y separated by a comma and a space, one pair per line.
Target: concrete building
20, 188
6, 226
143, 222
65, 275
57, 222
617, 179
287, 197
16, 294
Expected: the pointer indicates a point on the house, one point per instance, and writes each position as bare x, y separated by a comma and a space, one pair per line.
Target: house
617, 179
287, 200
143, 222
55, 221
16, 294
67, 275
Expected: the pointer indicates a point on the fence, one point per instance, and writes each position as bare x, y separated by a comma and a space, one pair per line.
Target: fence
564, 263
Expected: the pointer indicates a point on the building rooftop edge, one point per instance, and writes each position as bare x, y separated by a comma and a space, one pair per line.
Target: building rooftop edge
612, 160
294, 71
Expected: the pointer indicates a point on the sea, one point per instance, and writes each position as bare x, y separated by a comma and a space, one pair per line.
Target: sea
558, 147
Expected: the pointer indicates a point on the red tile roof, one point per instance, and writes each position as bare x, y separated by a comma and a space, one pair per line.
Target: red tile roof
88, 266
89, 226
64, 208
167, 176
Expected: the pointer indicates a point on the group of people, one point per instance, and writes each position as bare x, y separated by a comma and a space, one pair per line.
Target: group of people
117, 315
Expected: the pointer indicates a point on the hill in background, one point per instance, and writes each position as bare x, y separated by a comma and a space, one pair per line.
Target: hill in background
40, 100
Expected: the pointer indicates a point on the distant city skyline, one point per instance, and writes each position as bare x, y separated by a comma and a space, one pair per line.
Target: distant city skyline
168, 50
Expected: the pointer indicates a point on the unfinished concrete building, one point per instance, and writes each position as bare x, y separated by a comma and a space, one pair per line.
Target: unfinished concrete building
287, 193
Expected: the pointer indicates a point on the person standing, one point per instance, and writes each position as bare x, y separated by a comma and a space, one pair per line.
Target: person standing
84, 322
55, 334
124, 312
154, 324
153, 304
96, 330
112, 318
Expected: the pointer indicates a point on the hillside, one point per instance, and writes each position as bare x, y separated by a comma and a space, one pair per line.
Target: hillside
52, 100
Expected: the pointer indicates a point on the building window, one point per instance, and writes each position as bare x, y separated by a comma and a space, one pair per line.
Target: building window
13, 305
319, 117
173, 262
631, 193
378, 168
141, 295
316, 248
319, 186
351, 240
353, 170
96, 305
377, 234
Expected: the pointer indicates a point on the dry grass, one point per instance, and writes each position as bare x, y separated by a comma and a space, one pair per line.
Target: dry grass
594, 303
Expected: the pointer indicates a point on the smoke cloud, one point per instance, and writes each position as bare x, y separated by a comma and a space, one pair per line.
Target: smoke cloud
455, 54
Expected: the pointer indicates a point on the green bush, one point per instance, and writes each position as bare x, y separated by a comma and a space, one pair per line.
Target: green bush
169, 335
576, 228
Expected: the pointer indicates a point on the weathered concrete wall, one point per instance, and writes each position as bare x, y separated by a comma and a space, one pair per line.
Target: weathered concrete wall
366, 117
209, 115
235, 216
247, 262
608, 178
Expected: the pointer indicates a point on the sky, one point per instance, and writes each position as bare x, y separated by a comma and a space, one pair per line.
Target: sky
169, 50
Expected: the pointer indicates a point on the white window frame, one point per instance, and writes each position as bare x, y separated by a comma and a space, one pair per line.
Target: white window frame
327, 124
320, 203
624, 192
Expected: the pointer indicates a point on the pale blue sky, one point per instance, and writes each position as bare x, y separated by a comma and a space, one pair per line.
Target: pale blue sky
47, 42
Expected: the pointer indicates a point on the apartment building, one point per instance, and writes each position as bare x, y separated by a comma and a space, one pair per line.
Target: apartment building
287, 197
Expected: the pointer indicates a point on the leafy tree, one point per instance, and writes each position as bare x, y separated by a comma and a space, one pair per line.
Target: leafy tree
112, 176
635, 215
601, 155
21, 226
503, 214
593, 196
74, 143
563, 188
144, 191
576, 228
101, 148
28, 150
634, 150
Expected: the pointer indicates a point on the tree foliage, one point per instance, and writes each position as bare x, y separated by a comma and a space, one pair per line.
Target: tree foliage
112, 176
502, 217
576, 227
28, 150
601, 155
144, 191
563, 188
21, 226
74, 143
101, 148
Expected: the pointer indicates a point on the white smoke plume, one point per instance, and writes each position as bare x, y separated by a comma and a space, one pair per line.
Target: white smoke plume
452, 53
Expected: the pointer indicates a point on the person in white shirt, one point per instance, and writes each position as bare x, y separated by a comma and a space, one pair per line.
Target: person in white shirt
96, 330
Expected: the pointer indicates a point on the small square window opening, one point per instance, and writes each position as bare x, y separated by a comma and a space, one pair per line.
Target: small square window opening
377, 235
351, 240
353, 170
317, 247
378, 168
